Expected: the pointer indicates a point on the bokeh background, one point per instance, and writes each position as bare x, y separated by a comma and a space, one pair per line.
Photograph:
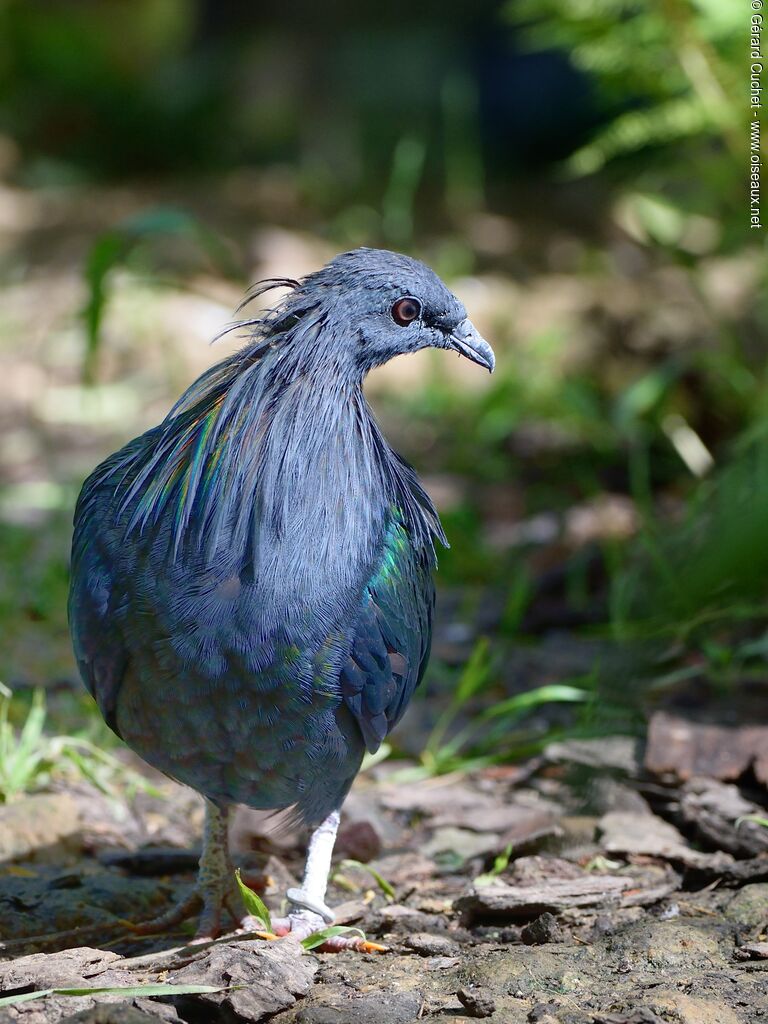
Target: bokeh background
574, 169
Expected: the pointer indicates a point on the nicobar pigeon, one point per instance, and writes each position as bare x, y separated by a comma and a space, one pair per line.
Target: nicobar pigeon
251, 594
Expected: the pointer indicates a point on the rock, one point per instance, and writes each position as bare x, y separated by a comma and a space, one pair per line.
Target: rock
386, 1007
679, 748
431, 945
755, 869
105, 823
538, 868
461, 844
499, 901
158, 1010
42, 827
752, 951
521, 823
404, 920
71, 968
477, 1002
350, 911
434, 796
118, 1013
269, 977
749, 907
647, 834
543, 1013
715, 809
568, 889
544, 929
358, 840
406, 869
620, 753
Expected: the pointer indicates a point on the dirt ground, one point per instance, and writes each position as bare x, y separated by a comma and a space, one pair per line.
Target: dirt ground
579, 887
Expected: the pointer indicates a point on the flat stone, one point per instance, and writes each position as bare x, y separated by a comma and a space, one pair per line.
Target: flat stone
682, 748
526, 902
461, 843
431, 945
752, 951
40, 827
651, 836
620, 753
264, 977
434, 796
71, 968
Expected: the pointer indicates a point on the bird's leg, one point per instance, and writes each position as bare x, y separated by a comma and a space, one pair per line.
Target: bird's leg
307, 910
214, 889
216, 873
311, 894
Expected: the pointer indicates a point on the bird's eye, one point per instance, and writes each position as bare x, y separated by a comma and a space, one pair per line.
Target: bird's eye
406, 310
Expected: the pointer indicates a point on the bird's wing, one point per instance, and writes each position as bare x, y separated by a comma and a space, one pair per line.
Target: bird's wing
391, 643
99, 646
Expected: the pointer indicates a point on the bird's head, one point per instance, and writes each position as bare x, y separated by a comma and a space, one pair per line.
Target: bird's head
369, 305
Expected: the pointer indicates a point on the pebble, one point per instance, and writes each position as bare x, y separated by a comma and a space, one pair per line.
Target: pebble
477, 1002
544, 929
431, 945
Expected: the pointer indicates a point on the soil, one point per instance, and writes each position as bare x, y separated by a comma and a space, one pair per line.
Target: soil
549, 892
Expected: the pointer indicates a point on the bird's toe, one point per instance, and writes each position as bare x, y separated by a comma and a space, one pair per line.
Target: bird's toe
302, 924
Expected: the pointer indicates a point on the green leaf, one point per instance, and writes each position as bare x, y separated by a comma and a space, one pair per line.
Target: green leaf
382, 883
556, 692
318, 938
500, 863
130, 991
253, 903
756, 818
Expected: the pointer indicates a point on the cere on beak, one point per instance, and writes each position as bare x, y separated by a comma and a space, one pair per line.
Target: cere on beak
466, 340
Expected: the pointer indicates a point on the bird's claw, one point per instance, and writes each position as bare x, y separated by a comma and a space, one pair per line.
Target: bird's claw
212, 903
302, 924
305, 901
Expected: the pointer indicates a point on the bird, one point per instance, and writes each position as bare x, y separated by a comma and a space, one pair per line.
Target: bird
252, 592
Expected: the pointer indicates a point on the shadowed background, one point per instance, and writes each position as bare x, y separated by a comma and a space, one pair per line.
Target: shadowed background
574, 170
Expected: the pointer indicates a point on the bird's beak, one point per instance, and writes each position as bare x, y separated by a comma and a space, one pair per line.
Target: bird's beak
465, 340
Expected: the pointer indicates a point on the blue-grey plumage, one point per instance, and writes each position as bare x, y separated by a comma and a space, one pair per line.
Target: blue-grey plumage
251, 596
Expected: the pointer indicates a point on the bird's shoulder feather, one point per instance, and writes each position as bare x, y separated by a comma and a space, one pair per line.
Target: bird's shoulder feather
392, 636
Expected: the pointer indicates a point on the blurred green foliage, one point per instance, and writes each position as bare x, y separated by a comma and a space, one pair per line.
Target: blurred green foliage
666, 76
359, 132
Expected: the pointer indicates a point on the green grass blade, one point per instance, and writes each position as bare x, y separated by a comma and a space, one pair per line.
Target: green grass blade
129, 991
553, 693
382, 883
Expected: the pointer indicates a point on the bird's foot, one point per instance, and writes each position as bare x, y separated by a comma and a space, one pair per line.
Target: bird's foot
212, 907
218, 904
303, 923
